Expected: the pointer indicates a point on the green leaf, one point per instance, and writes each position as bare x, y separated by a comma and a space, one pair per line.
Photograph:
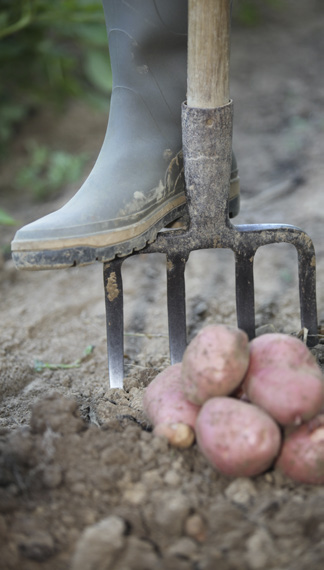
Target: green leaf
6, 220
98, 71
42, 52
48, 171
39, 365
94, 35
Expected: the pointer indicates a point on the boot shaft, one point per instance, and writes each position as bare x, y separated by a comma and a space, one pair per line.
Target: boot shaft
148, 50
145, 18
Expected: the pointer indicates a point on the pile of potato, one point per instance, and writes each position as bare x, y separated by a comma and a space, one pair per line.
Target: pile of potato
249, 405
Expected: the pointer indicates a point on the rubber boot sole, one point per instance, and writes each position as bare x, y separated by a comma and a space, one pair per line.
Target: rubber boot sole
97, 247
69, 255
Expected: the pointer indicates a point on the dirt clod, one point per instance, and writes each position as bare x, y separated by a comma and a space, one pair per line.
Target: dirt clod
100, 544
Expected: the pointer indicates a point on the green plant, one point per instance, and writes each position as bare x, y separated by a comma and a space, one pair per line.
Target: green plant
6, 219
39, 365
48, 170
250, 12
50, 51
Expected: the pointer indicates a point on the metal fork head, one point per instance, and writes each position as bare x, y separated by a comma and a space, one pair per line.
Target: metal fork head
207, 149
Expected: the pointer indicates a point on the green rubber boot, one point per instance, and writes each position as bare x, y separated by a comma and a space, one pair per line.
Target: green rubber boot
136, 186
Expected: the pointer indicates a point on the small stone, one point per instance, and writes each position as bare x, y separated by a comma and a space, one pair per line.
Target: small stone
278, 479
13, 490
259, 549
135, 494
138, 554
178, 463
89, 517
196, 528
184, 548
269, 478
67, 380
52, 476
172, 511
39, 546
172, 478
99, 544
241, 491
147, 453
68, 520
201, 309
152, 477
80, 489
160, 445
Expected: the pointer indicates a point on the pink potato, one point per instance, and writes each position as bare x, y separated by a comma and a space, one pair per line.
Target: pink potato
168, 410
237, 438
214, 363
280, 350
284, 379
302, 454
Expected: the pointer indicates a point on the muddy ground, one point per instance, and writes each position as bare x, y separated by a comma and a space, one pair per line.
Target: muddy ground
84, 485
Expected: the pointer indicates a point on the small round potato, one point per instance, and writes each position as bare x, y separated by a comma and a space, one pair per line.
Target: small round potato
168, 409
214, 363
237, 438
284, 379
302, 454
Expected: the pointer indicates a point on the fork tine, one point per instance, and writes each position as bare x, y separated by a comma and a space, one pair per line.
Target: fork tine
176, 306
244, 280
307, 292
115, 321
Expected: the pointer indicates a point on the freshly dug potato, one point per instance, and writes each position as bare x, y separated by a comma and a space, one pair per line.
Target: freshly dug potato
302, 454
214, 363
237, 438
168, 410
284, 379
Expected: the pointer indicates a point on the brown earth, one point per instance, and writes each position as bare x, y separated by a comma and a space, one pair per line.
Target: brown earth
84, 485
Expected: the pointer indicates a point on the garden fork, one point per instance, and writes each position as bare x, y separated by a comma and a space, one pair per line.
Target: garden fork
207, 120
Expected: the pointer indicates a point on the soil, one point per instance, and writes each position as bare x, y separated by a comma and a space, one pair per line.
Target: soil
84, 484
